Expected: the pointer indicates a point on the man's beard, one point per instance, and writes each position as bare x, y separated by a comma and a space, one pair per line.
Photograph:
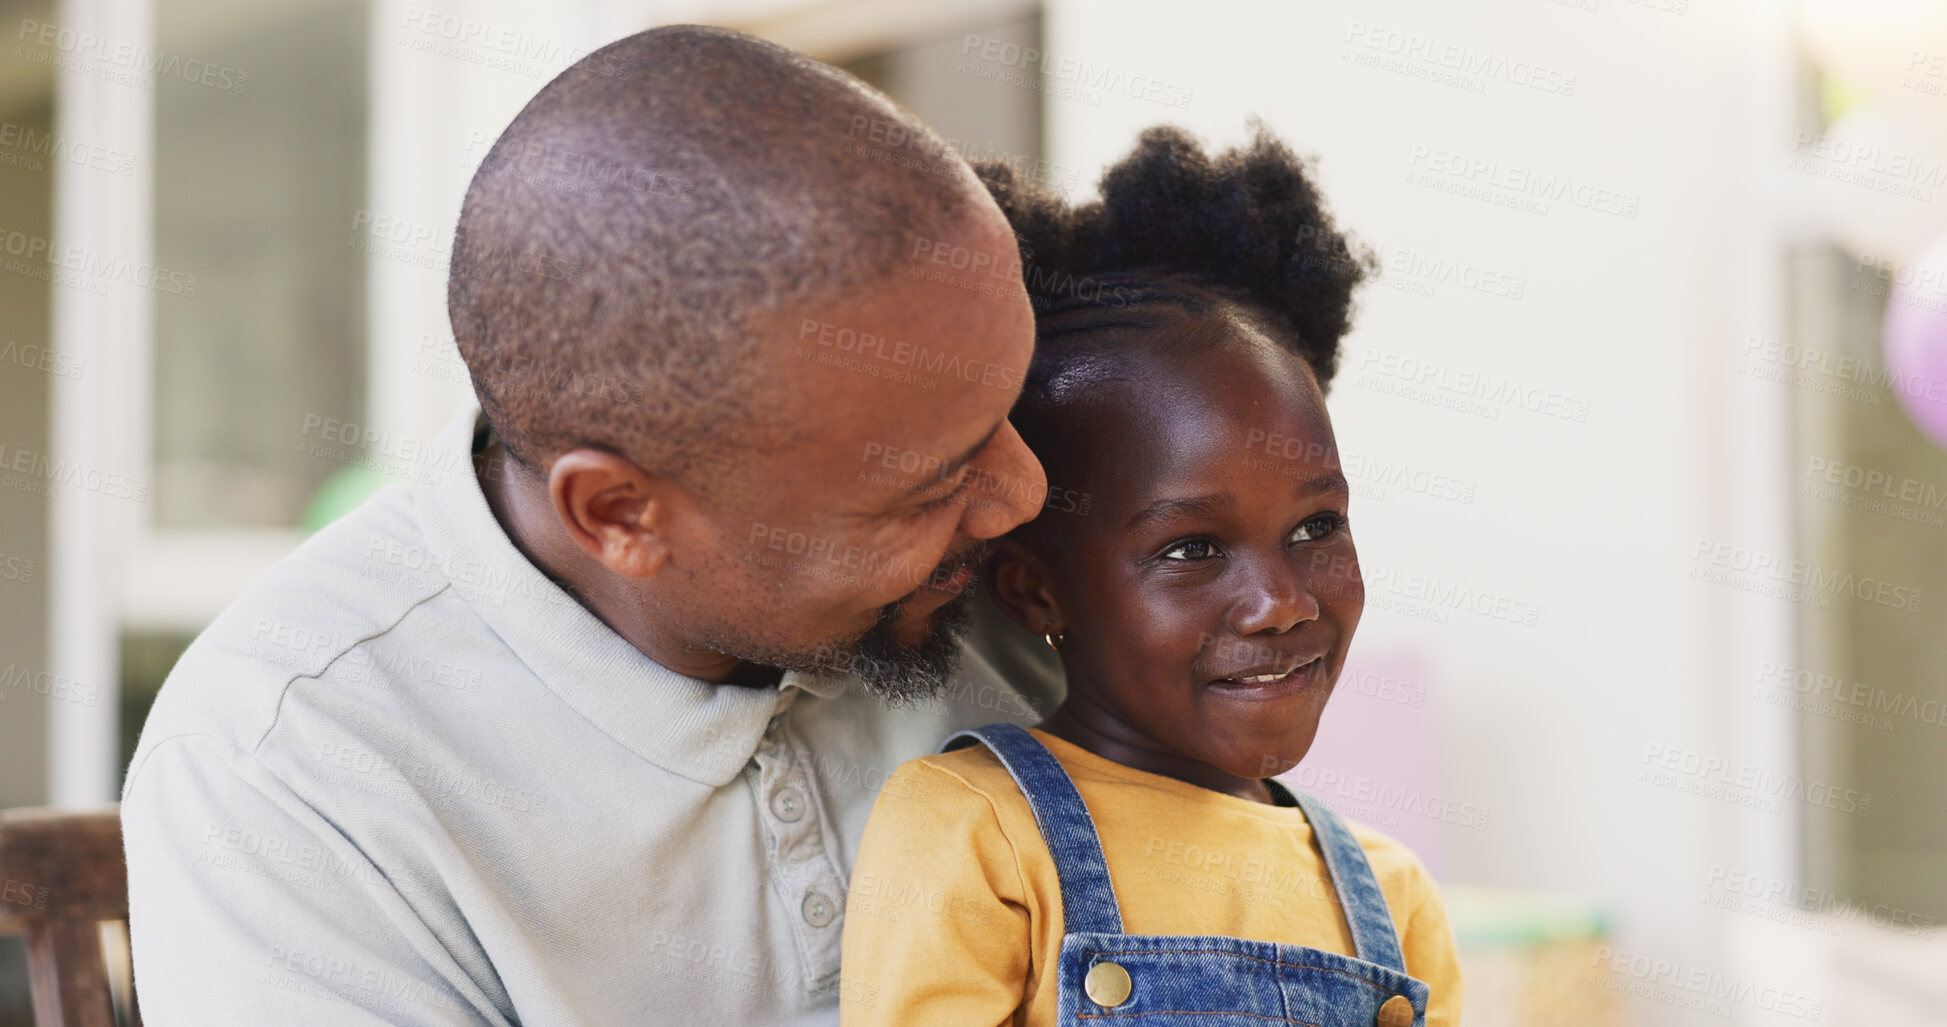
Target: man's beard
902, 674
898, 673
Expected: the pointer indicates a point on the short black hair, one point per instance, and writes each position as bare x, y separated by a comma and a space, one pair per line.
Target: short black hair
1177, 233
649, 206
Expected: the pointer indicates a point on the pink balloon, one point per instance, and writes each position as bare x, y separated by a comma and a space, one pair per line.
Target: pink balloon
1915, 337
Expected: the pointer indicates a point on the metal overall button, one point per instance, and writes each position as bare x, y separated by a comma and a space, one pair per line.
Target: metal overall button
1106, 985
1397, 1012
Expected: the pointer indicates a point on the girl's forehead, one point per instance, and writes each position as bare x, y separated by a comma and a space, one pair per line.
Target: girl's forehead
1182, 413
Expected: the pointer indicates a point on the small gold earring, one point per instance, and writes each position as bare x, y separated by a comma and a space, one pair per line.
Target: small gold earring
1054, 641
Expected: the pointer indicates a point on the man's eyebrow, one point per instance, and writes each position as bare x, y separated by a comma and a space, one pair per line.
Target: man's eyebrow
952, 467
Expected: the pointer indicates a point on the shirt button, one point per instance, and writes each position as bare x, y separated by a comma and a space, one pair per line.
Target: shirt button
1397, 1012
819, 909
788, 804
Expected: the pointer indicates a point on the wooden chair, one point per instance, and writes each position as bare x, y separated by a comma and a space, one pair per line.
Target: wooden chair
63, 884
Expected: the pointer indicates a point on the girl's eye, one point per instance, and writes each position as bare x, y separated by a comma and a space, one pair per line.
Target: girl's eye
1321, 526
1192, 549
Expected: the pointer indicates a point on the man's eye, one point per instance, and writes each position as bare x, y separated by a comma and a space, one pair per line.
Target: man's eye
1321, 526
946, 499
1191, 549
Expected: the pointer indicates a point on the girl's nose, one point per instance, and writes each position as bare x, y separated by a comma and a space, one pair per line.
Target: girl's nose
1277, 601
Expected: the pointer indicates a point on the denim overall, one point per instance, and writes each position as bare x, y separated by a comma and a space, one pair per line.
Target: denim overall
1158, 980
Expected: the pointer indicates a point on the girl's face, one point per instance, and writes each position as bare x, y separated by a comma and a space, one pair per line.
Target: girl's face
1210, 593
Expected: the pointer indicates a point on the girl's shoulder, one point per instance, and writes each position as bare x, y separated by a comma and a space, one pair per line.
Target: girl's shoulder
969, 774
966, 787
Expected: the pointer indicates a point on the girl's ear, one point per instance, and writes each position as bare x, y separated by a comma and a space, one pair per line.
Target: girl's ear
1020, 584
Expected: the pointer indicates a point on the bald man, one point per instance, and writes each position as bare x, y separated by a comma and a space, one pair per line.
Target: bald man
584, 728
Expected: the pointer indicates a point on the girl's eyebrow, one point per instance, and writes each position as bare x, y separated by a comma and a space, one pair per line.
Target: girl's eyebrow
1162, 508
1219, 501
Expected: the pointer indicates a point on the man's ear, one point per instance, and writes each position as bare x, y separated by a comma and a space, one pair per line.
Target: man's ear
614, 510
1019, 583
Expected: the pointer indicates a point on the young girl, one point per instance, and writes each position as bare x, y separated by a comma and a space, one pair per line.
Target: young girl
1131, 857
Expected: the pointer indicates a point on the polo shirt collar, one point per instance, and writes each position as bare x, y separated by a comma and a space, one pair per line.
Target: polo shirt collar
702, 730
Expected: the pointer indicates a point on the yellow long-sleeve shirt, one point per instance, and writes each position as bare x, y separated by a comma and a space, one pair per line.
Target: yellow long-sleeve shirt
954, 914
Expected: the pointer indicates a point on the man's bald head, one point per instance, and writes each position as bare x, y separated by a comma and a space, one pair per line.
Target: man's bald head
629, 237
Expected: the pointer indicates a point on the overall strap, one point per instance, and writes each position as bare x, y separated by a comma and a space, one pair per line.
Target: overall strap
1359, 895
1087, 899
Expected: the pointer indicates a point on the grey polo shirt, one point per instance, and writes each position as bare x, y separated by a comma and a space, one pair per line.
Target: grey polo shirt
405, 779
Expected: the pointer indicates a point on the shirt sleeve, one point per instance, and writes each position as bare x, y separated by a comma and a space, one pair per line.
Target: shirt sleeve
1431, 956
937, 924
246, 906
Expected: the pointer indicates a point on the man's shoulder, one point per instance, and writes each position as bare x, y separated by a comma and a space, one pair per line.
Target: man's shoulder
294, 622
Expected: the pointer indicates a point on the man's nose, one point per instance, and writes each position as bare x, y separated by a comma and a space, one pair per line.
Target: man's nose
1011, 490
